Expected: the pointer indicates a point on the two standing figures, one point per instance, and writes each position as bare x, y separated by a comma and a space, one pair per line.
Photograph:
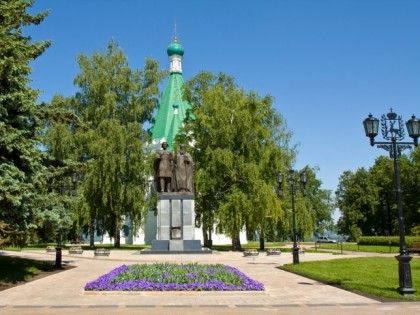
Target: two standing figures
173, 175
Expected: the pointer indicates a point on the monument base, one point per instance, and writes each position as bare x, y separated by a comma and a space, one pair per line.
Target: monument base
162, 245
176, 245
175, 226
204, 251
176, 217
170, 247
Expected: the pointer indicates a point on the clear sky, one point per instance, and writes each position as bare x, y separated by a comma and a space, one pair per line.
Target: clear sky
327, 63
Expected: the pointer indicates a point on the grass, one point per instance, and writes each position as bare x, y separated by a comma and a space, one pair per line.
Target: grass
112, 247
266, 244
309, 247
255, 245
14, 269
374, 275
360, 248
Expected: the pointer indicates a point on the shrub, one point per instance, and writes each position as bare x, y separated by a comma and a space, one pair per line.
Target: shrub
384, 240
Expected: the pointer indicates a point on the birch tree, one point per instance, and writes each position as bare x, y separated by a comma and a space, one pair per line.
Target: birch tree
240, 144
114, 103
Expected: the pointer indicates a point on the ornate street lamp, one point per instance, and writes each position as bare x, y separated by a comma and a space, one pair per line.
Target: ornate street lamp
393, 130
293, 186
63, 188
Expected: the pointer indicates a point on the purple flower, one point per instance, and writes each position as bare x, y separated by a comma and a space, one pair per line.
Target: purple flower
191, 275
194, 278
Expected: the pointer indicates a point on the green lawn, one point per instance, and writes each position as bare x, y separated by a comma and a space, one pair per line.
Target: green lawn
266, 244
14, 269
374, 275
254, 245
360, 248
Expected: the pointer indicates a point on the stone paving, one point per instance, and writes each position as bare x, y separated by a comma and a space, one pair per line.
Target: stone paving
285, 293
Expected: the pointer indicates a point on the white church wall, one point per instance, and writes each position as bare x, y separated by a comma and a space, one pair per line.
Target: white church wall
148, 234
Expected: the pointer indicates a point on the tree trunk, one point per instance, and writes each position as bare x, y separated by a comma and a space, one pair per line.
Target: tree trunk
210, 241
236, 242
262, 236
205, 237
92, 233
117, 240
117, 234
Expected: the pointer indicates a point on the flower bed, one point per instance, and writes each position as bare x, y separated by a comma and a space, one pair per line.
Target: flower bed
50, 249
174, 277
76, 250
250, 252
273, 251
102, 252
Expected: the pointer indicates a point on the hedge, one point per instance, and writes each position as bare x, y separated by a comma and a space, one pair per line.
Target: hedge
384, 240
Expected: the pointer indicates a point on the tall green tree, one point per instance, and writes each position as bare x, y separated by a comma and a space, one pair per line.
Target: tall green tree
23, 170
356, 198
62, 204
367, 198
320, 206
410, 178
114, 103
240, 144
383, 218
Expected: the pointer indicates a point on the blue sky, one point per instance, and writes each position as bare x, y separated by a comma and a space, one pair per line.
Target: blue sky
327, 63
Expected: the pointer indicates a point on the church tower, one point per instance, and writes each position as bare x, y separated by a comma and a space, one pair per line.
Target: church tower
172, 108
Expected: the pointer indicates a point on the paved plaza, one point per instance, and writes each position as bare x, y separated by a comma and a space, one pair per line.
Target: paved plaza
286, 293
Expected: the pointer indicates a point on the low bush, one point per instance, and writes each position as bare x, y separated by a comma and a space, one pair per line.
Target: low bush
384, 240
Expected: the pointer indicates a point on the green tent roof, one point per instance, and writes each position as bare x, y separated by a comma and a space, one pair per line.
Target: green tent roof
171, 112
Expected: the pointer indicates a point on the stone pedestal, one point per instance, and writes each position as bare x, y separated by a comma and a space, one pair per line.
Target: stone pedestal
175, 219
175, 223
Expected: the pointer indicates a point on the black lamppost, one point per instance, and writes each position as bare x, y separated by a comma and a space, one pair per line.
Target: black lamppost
392, 127
63, 188
293, 186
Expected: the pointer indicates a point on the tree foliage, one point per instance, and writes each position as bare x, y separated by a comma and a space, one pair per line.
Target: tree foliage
367, 198
320, 205
113, 103
23, 168
240, 144
314, 207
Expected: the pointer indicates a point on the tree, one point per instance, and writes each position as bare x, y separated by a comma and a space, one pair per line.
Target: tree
410, 178
62, 211
23, 170
356, 198
319, 205
383, 220
313, 207
240, 144
114, 102
367, 198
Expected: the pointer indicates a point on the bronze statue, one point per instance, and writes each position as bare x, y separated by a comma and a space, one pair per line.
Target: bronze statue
184, 171
164, 165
